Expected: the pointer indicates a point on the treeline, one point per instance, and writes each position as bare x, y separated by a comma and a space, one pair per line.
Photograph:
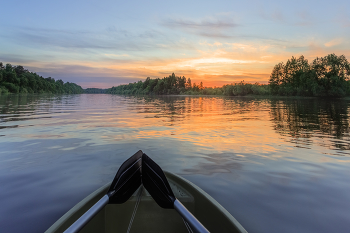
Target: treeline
95, 91
167, 86
16, 79
325, 76
174, 85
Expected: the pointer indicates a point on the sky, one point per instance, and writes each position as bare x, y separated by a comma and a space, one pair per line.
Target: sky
108, 43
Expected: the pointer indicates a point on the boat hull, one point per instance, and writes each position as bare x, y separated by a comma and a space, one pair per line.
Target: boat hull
149, 216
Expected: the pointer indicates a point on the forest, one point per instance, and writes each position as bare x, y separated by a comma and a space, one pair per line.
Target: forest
325, 76
174, 85
95, 91
16, 79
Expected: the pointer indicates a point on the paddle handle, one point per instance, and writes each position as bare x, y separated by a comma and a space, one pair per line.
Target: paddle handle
189, 218
85, 218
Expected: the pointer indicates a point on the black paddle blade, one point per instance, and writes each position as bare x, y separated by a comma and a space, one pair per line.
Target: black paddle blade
156, 183
127, 179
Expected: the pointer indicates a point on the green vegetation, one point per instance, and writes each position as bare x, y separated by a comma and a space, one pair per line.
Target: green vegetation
16, 79
174, 85
326, 76
95, 91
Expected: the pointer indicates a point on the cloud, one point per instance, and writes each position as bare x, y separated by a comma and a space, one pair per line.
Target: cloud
217, 44
219, 80
222, 28
209, 27
334, 42
111, 74
59, 38
212, 24
208, 61
16, 59
86, 75
116, 55
111, 39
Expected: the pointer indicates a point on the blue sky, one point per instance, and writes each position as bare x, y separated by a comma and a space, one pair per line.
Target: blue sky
107, 43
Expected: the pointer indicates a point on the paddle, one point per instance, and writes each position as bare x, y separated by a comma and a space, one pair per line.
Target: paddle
138, 169
125, 183
157, 185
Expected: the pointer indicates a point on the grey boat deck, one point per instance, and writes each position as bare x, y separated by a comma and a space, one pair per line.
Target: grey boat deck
149, 216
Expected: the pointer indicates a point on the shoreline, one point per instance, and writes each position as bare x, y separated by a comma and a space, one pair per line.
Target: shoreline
188, 95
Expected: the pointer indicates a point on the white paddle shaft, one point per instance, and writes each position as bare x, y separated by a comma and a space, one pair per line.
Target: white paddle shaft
85, 218
189, 218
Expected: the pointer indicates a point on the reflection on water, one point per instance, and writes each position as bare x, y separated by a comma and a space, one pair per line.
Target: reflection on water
312, 121
218, 163
303, 122
277, 165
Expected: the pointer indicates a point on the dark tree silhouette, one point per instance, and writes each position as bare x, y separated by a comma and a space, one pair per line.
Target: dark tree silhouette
325, 76
16, 79
173, 85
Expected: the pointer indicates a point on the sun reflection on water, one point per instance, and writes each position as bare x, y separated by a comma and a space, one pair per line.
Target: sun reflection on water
262, 159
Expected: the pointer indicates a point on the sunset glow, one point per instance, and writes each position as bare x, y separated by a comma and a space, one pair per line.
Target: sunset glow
216, 43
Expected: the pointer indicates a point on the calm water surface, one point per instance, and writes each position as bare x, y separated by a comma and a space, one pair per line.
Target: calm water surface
277, 165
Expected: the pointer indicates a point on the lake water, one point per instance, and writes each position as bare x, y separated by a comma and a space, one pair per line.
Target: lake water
277, 165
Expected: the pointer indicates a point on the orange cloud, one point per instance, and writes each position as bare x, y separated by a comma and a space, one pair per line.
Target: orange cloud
334, 42
214, 64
